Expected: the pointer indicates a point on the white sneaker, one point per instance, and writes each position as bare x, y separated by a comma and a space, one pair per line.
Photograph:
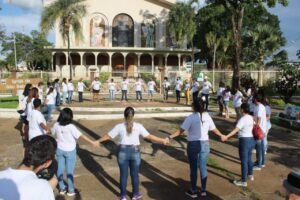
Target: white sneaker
255, 168
263, 166
251, 177
240, 183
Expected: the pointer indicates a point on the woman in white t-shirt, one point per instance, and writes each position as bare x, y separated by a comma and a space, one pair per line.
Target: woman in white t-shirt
166, 88
237, 102
64, 90
246, 142
124, 89
197, 126
178, 85
96, 86
226, 99
187, 89
112, 89
138, 85
151, 85
268, 116
220, 97
129, 155
50, 102
66, 135
80, 88
70, 91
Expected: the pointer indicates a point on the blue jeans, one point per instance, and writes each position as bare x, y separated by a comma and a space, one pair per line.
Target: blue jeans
203, 156
206, 100
139, 95
57, 103
70, 95
66, 159
50, 108
245, 152
112, 94
124, 95
193, 152
129, 157
260, 153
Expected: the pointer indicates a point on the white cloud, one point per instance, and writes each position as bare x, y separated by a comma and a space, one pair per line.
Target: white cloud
27, 4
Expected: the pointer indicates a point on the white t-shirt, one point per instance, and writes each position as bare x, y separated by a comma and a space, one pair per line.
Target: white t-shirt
41, 96
260, 111
220, 91
29, 108
195, 87
57, 87
96, 85
187, 86
245, 124
16, 184
166, 84
64, 87
112, 86
192, 124
237, 99
151, 85
70, 86
249, 92
227, 96
138, 86
207, 125
66, 136
124, 85
178, 85
51, 98
35, 119
81, 86
205, 87
128, 139
268, 112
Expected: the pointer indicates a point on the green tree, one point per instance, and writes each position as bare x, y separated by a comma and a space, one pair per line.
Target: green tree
279, 58
182, 25
298, 53
69, 14
236, 9
30, 49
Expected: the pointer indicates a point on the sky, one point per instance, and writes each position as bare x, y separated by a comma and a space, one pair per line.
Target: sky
24, 16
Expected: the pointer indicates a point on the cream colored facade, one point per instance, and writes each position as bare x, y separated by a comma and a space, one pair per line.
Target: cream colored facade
124, 37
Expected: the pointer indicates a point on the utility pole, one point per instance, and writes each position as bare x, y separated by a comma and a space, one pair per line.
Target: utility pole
15, 49
214, 65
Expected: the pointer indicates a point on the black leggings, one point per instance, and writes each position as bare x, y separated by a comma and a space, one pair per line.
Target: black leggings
177, 96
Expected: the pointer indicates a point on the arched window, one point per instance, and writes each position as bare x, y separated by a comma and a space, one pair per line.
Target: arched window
122, 31
98, 31
148, 31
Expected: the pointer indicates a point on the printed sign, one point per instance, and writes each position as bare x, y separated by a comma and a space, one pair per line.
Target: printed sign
17, 84
200, 76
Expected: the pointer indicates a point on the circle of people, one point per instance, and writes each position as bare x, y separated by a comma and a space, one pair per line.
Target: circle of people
250, 110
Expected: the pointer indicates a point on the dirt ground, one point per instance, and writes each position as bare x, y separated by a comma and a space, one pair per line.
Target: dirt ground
164, 173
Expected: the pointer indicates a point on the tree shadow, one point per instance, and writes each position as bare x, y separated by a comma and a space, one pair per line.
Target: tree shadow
225, 156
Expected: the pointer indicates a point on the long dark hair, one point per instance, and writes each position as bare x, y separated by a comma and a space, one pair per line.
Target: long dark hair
198, 106
27, 89
245, 108
34, 93
51, 89
65, 117
128, 115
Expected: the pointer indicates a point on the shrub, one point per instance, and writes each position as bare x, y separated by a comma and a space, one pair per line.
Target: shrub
104, 76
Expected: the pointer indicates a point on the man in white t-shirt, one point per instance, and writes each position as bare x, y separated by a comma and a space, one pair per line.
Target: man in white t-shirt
166, 87
23, 183
260, 118
138, 89
64, 90
37, 122
124, 88
151, 85
178, 87
70, 90
80, 87
206, 87
195, 89
112, 89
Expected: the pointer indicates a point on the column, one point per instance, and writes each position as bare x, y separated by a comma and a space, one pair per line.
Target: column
152, 64
179, 59
166, 60
53, 63
138, 64
110, 61
124, 71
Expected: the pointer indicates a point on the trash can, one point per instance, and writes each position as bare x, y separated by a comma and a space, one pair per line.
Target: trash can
292, 186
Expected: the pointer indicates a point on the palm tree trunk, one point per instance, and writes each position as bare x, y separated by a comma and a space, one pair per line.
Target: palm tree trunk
193, 58
69, 55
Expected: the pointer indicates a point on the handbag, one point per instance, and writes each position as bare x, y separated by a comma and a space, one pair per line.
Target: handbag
257, 132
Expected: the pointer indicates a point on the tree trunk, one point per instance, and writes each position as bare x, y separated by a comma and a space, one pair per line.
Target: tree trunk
193, 58
237, 23
69, 56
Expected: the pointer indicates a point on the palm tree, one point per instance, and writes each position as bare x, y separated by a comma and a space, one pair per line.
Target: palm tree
68, 13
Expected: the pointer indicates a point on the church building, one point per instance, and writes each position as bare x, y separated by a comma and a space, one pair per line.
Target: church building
124, 38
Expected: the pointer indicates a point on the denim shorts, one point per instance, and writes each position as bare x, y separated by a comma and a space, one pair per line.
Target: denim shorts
225, 103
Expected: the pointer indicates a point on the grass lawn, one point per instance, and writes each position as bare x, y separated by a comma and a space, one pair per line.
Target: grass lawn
9, 102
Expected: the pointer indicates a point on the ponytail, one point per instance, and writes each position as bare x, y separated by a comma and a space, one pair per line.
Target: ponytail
128, 114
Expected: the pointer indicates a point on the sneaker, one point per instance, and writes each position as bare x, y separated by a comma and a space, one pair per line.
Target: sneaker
255, 168
71, 194
191, 194
240, 183
203, 193
251, 177
62, 191
137, 196
263, 166
123, 197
